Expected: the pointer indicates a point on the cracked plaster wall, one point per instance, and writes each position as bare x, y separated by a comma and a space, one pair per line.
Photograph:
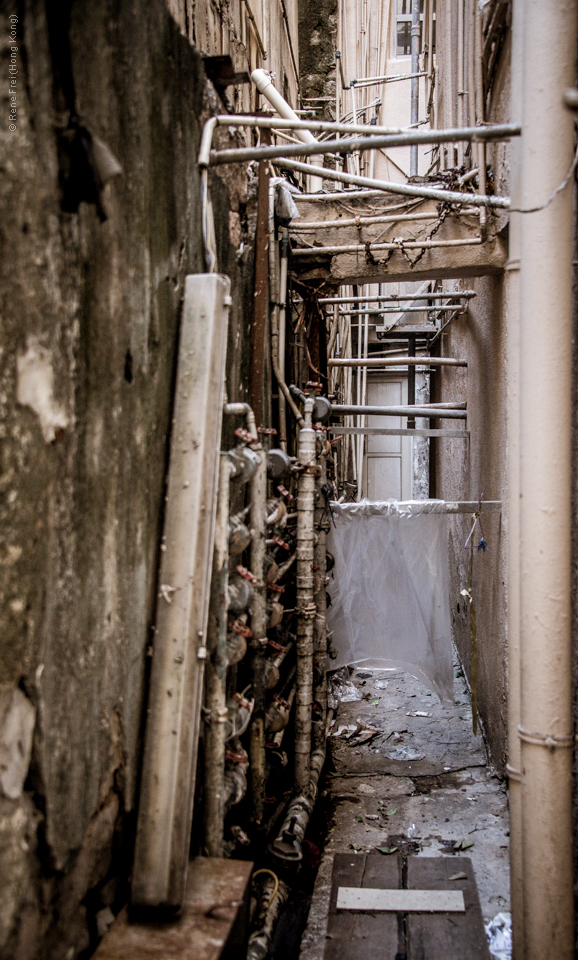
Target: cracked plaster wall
90, 316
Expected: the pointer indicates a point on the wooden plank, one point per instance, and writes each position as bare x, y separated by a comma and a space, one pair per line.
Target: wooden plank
438, 937
351, 936
211, 925
401, 901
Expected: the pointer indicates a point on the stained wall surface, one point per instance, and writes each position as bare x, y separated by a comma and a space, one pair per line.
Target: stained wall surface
90, 316
469, 470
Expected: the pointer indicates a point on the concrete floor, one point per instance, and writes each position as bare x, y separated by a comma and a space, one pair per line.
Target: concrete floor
422, 785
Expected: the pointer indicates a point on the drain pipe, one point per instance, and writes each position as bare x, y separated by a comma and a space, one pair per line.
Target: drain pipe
322, 517
216, 676
265, 86
284, 260
512, 277
305, 603
415, 34
288, 844
274, 319
544, 495
259, 627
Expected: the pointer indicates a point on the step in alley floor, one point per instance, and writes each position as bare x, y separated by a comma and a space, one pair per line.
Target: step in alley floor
421, 785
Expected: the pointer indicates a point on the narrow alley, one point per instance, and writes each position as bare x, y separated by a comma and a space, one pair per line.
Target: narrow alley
407, 777
289, 449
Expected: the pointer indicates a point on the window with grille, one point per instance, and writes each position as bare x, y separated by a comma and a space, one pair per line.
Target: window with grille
403, 27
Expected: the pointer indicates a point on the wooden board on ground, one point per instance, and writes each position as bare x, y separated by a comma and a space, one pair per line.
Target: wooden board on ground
363, 935
400, 901
353, 936
212, 924
439, 937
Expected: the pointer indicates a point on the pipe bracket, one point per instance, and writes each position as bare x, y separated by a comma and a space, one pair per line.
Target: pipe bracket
547, 739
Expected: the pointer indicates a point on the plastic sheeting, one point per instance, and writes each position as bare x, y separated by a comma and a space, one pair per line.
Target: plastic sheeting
389, 589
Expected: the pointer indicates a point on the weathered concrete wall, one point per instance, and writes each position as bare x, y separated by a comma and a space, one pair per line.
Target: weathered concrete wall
223, 27
468, 470
317, 42
90, 315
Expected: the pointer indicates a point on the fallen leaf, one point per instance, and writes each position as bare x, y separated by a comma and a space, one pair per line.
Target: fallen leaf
390, 813
459, 876
374, 703
386, 850
463, 844
355, 846
359, 819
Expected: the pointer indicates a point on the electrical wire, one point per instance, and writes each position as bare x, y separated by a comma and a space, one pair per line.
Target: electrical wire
275, 881
554, 193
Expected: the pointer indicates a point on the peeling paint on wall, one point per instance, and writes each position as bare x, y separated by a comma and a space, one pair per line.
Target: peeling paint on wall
17, 717
35, 389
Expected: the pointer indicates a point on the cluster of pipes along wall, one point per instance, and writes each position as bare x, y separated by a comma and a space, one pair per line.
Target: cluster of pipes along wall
265, 706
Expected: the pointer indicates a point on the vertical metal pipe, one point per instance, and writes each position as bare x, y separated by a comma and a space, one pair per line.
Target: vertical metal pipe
305, 604
259, 627
411, 380
480, 111
545, 520
322, 519
414, 82
284, 254
216, 676
514, 767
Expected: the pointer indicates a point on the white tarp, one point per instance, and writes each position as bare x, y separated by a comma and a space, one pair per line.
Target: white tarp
389, 589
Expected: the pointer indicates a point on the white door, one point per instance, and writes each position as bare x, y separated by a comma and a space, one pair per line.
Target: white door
388, 464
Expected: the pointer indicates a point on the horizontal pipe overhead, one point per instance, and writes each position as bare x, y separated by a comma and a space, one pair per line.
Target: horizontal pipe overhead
367, 221
399, 432
328, 126
406, 411
501, 131
427, 308
396, 361
409, 245
341, 195
404, 189
378, 298
374, 81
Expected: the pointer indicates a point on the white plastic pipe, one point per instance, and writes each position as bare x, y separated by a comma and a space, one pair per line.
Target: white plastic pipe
265, 86
545, 475
512, 277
